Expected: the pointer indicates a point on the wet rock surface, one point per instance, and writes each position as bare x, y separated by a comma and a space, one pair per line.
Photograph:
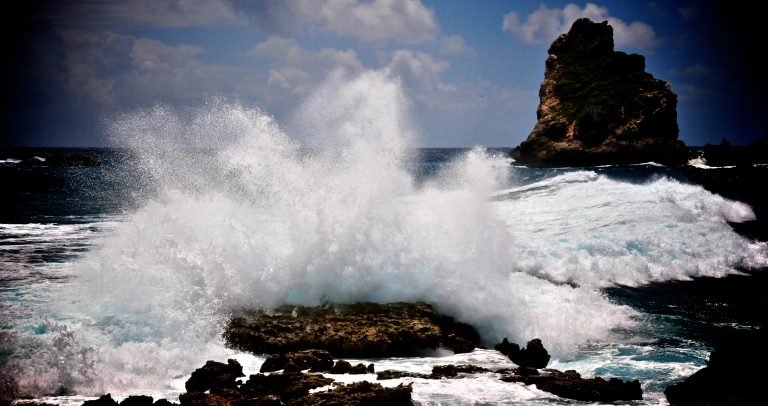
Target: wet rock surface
285, 388
569, 384
534, 355
364, 330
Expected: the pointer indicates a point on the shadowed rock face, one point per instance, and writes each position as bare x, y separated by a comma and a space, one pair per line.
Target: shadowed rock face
599, 106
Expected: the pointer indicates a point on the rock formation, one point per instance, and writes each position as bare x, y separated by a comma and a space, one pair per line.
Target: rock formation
362, 330
599, 106
533, 356
216, 384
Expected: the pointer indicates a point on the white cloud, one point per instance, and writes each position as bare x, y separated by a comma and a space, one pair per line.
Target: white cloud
545, 24
114, 69
421, 74
454, 45
406, 21
299, 70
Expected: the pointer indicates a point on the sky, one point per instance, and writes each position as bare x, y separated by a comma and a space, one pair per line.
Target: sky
471, 69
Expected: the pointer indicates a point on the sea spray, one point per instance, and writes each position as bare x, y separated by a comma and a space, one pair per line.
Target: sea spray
245, 214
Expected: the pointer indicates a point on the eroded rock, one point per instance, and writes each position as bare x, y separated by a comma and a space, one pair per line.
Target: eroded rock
599, 106
364, 330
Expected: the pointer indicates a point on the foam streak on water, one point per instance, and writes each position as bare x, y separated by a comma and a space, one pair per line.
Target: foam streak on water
327, 213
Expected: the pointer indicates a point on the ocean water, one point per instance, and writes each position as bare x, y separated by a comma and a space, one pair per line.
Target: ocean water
118, 278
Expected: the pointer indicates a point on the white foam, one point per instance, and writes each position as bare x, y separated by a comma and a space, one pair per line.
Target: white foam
605, 232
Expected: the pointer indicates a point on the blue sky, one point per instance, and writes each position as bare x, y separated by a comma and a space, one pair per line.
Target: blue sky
471, 69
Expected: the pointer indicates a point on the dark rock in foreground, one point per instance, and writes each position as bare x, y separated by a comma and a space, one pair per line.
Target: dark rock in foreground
600, 107
134, 400
735, 373
362, 393
313, 360
571, 385
220, 387
364, 330
534, 355
568, 384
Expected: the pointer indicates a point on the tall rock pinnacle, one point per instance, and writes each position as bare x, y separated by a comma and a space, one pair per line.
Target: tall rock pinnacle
599, 106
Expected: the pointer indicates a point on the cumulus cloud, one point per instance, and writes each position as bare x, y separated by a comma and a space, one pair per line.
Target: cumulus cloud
406, 21
545, 24
454, 45
109, 68
421, 74
297, 69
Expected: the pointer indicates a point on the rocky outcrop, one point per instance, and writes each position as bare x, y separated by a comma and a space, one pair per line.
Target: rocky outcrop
568, 384
364, 330
533, 356
571, 385
599, 106
216, 384
134, 400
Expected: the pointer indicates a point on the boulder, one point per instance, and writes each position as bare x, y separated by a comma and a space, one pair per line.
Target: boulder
533, 356
215, 377
569, 384
103, 400
599, 106
313, 360
362, 393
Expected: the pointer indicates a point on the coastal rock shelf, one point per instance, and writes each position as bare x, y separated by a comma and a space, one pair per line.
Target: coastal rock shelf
599, 106
363, 330
300, 369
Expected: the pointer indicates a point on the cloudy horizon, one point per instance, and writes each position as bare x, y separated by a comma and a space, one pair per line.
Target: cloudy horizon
471, 70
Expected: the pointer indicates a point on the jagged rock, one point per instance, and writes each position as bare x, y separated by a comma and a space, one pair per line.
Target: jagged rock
571, 385
453, 371
164, 402
103, 400
314, 360
534, 355
137, 400
344, 367
599, 106
395, 374
363, 330
215, 384
286, 386
215, 377
361, 393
